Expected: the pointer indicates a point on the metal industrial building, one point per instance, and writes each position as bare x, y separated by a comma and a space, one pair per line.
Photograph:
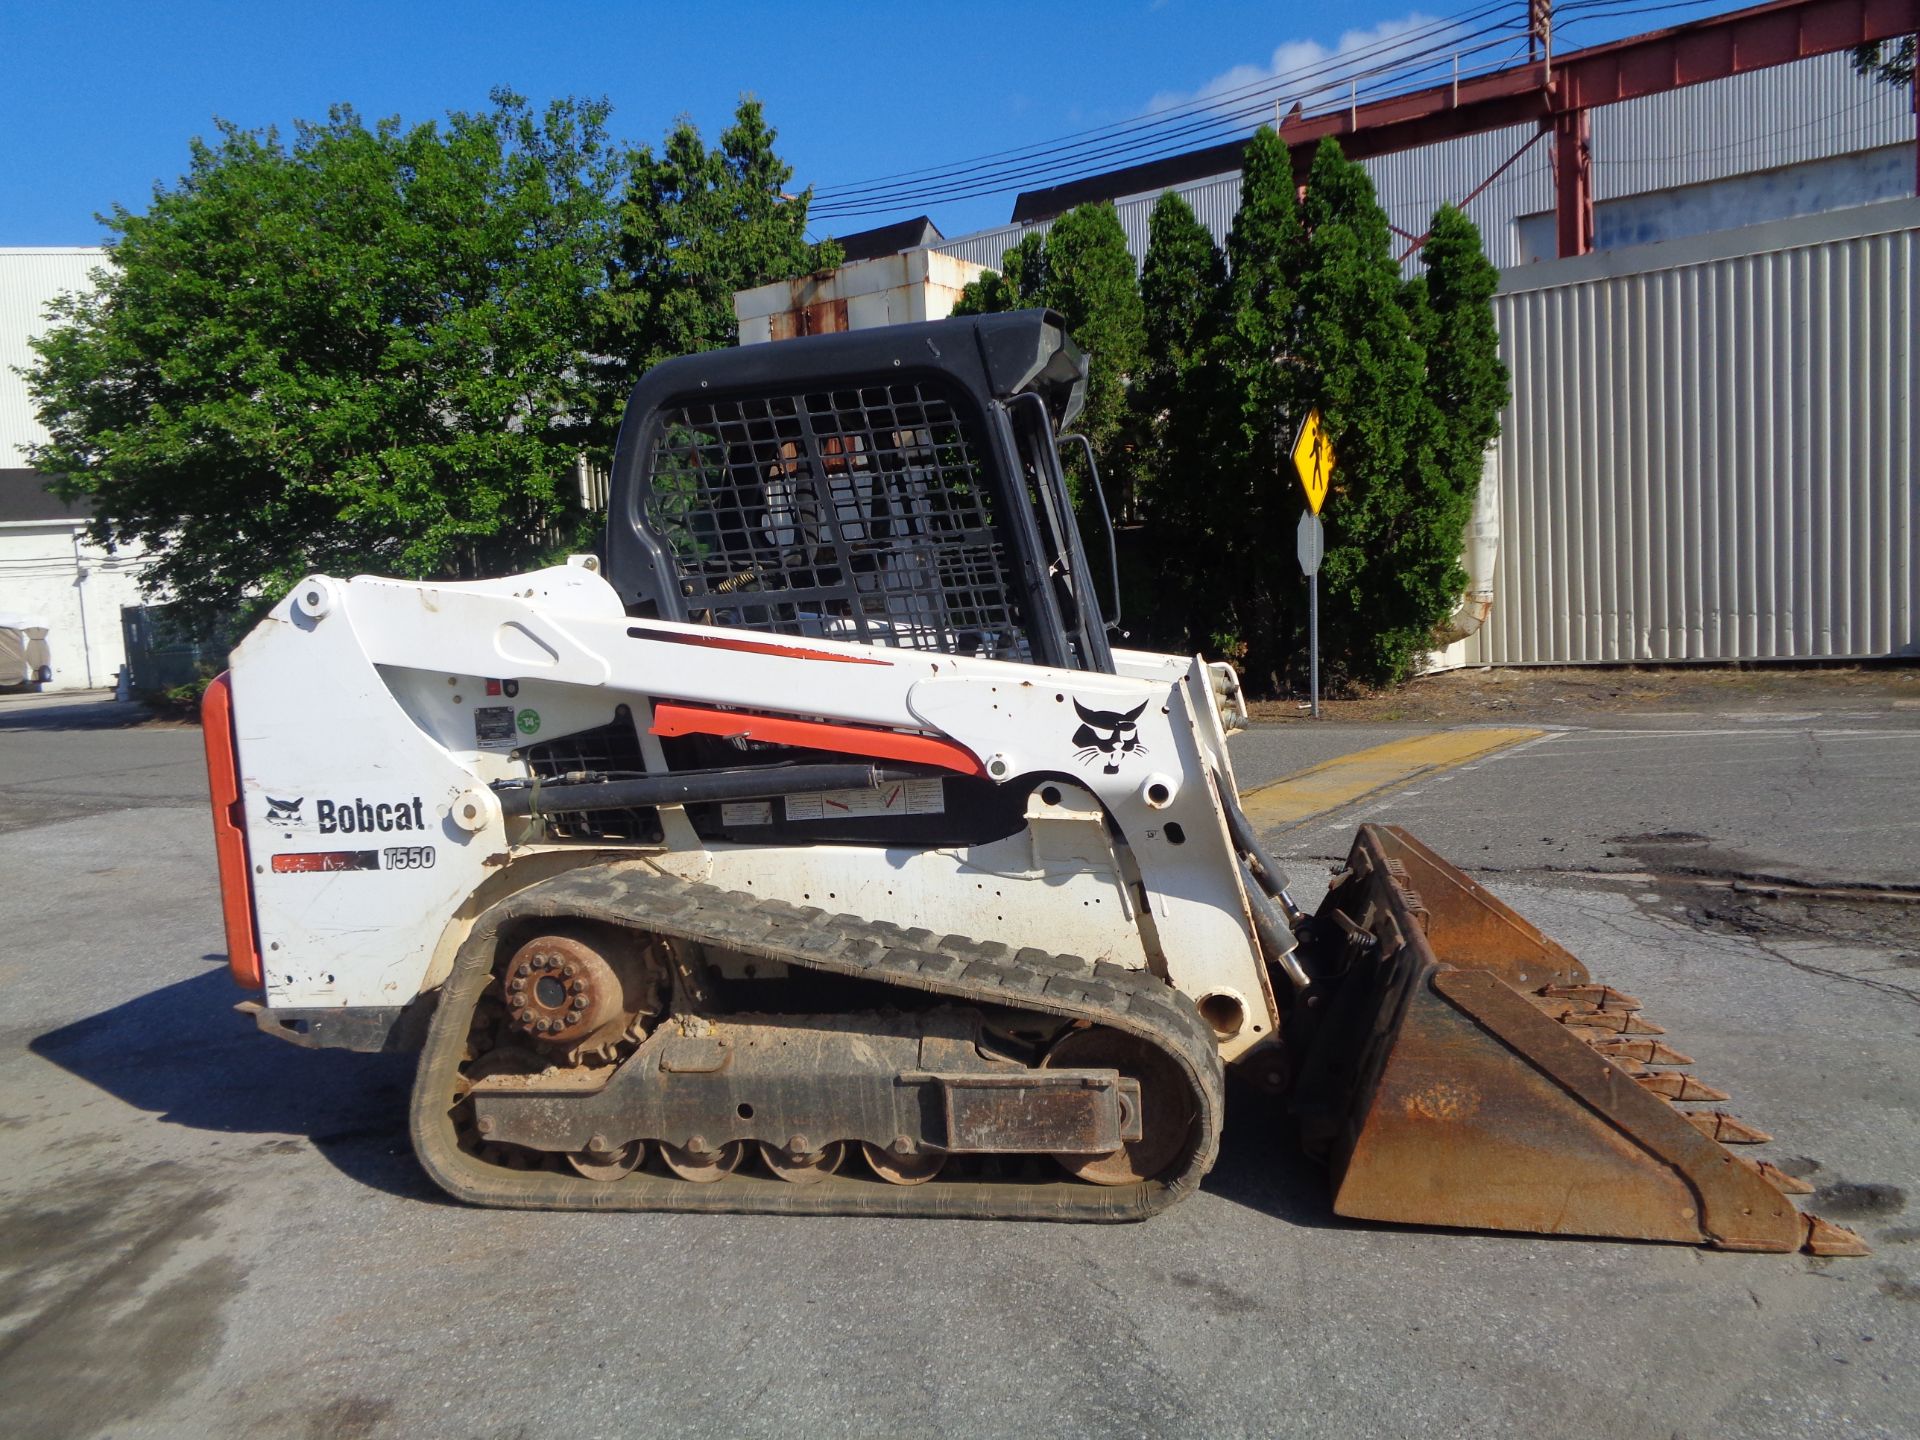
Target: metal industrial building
1789, 140
1708, 308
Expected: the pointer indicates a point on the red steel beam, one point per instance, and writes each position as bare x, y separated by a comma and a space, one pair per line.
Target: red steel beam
1711, 49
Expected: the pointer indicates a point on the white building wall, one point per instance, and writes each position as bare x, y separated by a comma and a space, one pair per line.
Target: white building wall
47, 567
887, 290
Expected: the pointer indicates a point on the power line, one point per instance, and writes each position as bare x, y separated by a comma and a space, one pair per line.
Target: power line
1385, 66
1392, 55
1198, 104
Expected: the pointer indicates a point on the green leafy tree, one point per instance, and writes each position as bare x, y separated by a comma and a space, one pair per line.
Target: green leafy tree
1467, 386
1890, 61
695, 225
1366, 374
1176, 399
1180, 290
386, 348
357, 351
1251, 385
1019, 283
1091, 280
1082, 268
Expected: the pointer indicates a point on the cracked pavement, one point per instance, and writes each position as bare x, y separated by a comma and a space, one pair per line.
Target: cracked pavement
204, 1232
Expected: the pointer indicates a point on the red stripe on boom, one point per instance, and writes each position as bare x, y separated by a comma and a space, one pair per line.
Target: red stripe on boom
670, 719
750, 647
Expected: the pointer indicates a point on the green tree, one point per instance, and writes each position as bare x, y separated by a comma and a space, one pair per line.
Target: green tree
1019, 283
357, 351
1890, 61
1180, 289
1091, 281
1175, 400
1252, 382
696, 225
1367, 374
1081, 268
1466, 389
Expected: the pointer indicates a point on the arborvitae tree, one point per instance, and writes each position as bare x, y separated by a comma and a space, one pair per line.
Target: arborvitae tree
1091, 281
1180, 288
1364, 370
1175, 404
1252, 379
1020, 282
1083, 269
1467, 388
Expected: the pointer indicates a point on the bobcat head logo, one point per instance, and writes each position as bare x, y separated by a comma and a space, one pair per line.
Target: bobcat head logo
285, 812
1108, 733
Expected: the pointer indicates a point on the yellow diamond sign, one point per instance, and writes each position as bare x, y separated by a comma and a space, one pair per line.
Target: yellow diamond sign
1313, 458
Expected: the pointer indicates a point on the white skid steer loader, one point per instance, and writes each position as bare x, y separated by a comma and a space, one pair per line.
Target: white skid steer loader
812, 851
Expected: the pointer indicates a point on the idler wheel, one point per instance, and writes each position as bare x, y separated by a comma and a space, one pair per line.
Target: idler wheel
1166, 1111
559, 990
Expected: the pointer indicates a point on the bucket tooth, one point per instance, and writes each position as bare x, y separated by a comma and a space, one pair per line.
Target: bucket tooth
1601, 997
1786, 1184
1727, 1129
1823, 1237
1680, 1087
1647, 1052
1612, 1023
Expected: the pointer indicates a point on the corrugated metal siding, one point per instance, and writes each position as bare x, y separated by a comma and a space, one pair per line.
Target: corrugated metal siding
1760, 121
28, 280
1415, 183
1763, 121
1713, 460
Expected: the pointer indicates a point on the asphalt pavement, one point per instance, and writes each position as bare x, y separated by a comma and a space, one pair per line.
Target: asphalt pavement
204, 1231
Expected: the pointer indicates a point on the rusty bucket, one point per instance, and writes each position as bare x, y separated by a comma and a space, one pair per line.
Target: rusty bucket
1456, 1067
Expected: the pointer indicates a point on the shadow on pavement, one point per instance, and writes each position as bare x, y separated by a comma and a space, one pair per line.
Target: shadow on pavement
182, 1054
91, 713
1262, 1168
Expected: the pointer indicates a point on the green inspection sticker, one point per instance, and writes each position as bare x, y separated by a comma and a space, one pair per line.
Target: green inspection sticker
528, 721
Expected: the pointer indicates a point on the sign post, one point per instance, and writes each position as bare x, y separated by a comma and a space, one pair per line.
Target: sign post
1311, 544
1313, 462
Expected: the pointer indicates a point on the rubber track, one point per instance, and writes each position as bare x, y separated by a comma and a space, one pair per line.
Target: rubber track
968, 971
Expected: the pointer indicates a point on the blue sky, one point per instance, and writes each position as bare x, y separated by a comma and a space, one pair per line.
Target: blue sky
98, 101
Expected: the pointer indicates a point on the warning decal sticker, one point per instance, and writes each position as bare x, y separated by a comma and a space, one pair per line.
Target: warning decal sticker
900, 797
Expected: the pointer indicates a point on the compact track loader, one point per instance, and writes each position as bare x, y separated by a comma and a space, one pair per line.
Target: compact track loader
813, 850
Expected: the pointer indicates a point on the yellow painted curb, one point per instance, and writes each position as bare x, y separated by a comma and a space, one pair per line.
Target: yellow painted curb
1386, 767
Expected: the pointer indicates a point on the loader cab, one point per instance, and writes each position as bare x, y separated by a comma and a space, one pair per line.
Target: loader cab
899, 486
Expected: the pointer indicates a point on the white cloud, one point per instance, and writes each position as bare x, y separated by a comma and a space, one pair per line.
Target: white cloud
1299, 67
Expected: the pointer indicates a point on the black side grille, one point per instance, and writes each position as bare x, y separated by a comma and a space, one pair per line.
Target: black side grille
612, 750
850, 514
